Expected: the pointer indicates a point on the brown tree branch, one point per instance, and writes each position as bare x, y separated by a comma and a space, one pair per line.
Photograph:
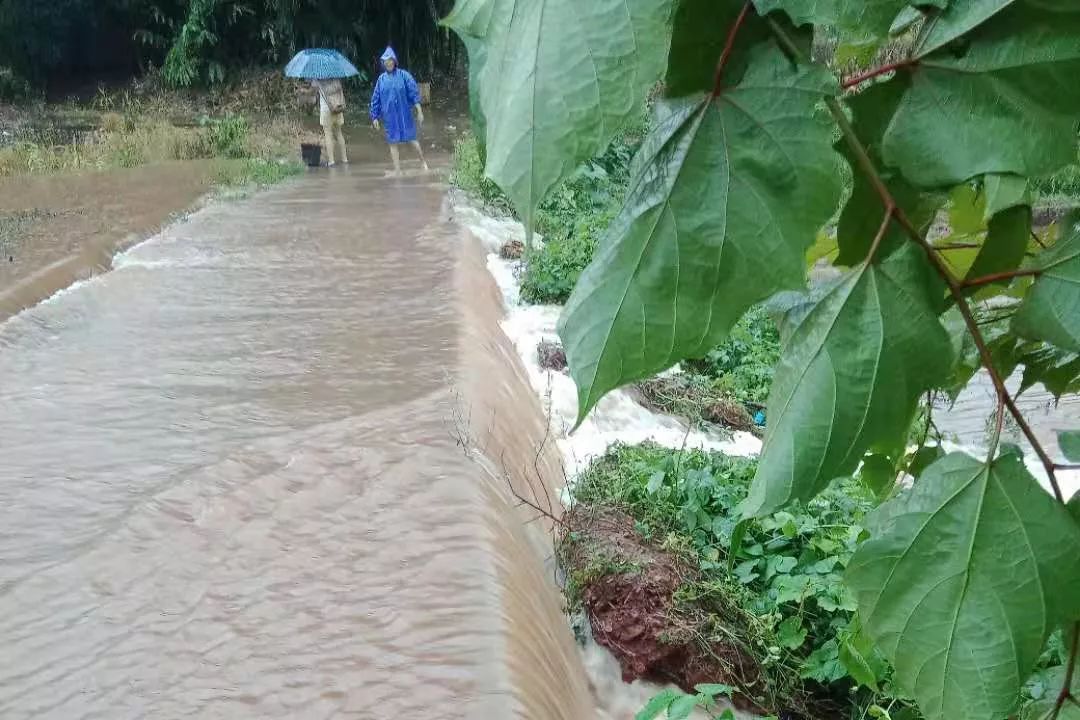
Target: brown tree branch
998, 277
729, 45
1070, 671
871, 74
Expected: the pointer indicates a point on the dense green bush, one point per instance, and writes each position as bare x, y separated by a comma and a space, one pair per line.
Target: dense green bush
467, 174
571, 221
744, 364
785, 569
227, 136
552, 270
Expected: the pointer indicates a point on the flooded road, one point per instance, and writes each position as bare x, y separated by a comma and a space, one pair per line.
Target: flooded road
232, 485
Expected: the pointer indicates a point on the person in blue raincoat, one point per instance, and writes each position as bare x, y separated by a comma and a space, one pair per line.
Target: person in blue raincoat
393, 103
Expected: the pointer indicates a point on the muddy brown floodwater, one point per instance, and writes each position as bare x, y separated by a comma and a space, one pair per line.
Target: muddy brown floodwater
235, 480
56, 229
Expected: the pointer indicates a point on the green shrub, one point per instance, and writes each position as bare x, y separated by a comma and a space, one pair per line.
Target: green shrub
743, 364
467, 174
227, 137
257, 172
1064, 183
552, 270
785, 570
13, 87
571, 219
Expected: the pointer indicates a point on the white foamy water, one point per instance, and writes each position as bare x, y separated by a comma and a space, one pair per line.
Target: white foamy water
618, 418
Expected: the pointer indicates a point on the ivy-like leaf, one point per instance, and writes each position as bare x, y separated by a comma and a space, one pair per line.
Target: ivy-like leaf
850, 376
728, 193
1016, 80
561, 77
963, 579
1057, 370
1051, 310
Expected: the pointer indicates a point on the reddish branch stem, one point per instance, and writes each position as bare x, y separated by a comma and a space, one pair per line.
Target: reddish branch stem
885, 222
729, 45
998, 277
957, 246
1070, 670
871, 74
956, 290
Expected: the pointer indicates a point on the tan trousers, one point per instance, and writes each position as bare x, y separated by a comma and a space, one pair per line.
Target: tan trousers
332, 125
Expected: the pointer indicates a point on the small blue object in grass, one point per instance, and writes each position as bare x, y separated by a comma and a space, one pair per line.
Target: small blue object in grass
759, 418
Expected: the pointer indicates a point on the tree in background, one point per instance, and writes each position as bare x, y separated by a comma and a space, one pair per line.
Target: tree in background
200, 41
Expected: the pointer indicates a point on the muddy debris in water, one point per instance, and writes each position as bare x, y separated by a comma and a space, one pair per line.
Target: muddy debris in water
695, 399
512, 250
551, 355
628, 589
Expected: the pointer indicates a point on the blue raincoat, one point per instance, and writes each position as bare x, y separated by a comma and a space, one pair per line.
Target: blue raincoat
392, 102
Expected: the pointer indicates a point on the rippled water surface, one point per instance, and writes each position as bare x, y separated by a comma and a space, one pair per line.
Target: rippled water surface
229, 486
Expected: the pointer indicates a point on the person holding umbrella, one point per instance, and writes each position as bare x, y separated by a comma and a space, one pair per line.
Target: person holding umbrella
332, 117
395, 99
325, 68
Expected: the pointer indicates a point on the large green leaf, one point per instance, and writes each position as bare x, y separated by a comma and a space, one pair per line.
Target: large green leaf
963, 579
1051, 310
1008, 103
561, 77
865, 19
728, 193
850, 376
959, 17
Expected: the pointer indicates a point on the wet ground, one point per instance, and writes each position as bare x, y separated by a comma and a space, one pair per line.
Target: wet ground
59, 228
233, 485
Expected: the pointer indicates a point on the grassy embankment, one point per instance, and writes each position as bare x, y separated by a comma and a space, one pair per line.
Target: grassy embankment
251, 130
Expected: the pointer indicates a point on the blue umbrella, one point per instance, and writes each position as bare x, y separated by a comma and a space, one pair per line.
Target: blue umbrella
320, 64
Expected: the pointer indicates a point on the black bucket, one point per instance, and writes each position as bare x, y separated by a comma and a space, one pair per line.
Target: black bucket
312, 154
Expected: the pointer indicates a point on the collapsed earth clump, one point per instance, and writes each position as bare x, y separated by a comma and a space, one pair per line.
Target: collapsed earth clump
630, 591
551, 356
512, 250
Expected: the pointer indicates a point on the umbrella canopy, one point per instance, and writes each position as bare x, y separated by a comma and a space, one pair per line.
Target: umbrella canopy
320, 64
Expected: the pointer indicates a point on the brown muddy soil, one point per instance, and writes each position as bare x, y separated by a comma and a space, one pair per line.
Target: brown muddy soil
628, 587
551, 356
56, 229
678, 395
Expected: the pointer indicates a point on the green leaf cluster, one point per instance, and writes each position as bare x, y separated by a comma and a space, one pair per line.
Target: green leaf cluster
968, 572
